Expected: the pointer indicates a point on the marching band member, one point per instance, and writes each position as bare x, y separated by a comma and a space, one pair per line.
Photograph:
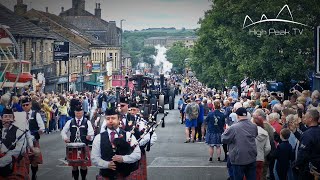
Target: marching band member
36, 127
13, 143
86, 135
141, 125
105, 151
126, 120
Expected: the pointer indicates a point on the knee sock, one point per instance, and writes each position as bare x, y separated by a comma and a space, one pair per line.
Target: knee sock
75, 174
83, 173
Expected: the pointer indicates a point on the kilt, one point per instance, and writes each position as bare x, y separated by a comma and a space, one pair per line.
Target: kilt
36, 159
141, 173
20, 169
86, 163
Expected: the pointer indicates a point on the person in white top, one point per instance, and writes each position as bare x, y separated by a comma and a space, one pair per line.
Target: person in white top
108, 155
13, 144
35, 125
84, 126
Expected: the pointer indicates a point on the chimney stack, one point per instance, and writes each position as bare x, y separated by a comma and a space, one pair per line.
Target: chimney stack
20, 8
47, 10
97, 11
78, 4
62, 9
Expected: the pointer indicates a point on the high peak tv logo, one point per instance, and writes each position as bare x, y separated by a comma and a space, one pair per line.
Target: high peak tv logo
248, 22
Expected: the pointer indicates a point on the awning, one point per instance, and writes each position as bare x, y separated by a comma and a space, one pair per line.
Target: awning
94, 83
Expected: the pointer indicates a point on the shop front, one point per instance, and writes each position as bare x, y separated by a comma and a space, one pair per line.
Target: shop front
51, 84
62, 84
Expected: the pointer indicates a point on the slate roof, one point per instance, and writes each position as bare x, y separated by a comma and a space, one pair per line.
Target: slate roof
74, 12
87, 23
71, 27
96, 26
19, 26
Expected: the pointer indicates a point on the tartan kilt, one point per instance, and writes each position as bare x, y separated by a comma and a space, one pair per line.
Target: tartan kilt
20, 169
141, 172
83, 164
36, 159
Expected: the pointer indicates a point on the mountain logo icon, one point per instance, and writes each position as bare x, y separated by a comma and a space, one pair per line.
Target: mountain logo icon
248, 21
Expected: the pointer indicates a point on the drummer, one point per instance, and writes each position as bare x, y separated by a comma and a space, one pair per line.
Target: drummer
102, 153
86, 135
36, 127
10, 150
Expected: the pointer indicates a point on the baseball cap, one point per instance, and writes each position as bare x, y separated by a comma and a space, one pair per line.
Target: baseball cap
241, 111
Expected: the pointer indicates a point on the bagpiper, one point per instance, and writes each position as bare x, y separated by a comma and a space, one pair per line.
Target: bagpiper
81, 131
126, 120
113, 151
146, 140
35, 125
13, 144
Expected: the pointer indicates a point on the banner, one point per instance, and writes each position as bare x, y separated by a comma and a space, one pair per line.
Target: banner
61, 51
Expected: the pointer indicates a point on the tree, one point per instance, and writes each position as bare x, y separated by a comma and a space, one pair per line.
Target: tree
177, 55
147, 54
226, 53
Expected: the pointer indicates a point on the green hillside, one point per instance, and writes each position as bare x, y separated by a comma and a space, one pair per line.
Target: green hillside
133, 41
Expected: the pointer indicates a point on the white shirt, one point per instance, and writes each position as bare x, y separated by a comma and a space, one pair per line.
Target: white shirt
66, 128
39, 121
102, 164
20, 145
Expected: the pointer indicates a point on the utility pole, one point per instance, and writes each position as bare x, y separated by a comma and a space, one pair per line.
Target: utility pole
121, 60
82, 75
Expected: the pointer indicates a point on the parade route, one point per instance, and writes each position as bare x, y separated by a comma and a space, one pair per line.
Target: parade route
170, 158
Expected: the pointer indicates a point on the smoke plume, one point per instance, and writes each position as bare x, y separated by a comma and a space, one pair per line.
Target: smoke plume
161, 60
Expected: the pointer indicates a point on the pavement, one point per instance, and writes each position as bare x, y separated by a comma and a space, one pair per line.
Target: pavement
169, 158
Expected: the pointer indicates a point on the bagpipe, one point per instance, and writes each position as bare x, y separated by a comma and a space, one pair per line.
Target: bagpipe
13, 166
122, 147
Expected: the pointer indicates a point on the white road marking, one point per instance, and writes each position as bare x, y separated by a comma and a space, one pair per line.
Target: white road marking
186, 166
65, 163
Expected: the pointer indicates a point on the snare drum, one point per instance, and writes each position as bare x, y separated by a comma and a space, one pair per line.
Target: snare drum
77, 154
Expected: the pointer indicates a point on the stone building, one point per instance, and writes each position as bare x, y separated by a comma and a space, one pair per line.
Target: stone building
35, 44
169, 41
105, 31
82, 45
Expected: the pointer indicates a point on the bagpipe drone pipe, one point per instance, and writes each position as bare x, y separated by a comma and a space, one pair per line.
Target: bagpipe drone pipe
122, 147
8, 169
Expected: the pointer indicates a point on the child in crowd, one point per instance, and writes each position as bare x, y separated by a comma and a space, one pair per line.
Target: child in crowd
283, 154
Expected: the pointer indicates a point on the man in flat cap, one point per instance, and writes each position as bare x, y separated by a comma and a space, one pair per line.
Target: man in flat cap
240, 138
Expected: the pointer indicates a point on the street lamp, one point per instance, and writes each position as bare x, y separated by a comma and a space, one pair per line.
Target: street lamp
121, 60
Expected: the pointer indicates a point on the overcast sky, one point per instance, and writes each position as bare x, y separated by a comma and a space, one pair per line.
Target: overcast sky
139, 14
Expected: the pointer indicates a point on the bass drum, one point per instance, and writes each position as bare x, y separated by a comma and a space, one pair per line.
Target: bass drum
161, 103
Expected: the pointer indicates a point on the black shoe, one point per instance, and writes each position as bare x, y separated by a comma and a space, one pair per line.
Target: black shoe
225, 160
219, 159
187, 141
210, 159
192, 141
